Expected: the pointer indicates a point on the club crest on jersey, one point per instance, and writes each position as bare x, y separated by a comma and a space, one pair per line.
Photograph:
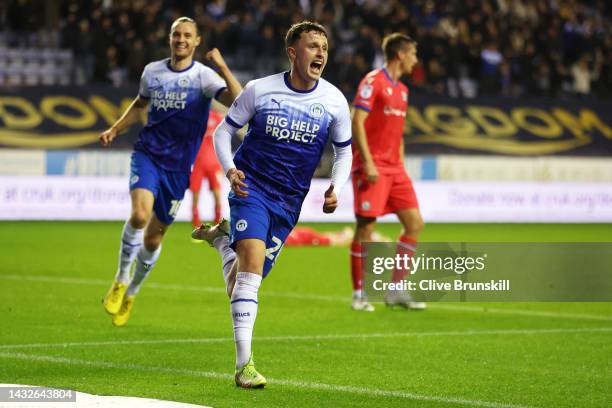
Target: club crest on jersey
316, 110
366, 91
134, 180
183, 82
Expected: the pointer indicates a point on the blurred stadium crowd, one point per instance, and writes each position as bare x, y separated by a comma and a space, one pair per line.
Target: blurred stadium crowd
466, 47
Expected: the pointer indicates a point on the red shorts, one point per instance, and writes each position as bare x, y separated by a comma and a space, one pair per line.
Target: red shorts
390, 193
211, 173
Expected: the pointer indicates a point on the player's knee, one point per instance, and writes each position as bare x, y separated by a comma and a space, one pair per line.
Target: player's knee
414, 226
364, 229
139, 218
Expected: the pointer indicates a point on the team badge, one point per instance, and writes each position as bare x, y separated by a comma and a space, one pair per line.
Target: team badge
134, 180
365, 205
241, 225
366, 91
316, 110
183, 82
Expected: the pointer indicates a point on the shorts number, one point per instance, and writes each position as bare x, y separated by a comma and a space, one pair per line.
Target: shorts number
174, 207
271, 252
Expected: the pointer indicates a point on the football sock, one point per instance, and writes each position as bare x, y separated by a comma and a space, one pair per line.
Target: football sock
217, 214
244, 311
144, 263
405, 246
131, 241
356, 271
195, 217
227, 255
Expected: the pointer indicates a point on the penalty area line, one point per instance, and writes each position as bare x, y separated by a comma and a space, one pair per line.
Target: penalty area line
282, 382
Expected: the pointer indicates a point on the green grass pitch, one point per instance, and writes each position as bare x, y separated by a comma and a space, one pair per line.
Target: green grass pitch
312, 348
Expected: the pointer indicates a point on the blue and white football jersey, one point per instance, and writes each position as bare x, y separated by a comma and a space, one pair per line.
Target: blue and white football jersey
288, 130
178, 112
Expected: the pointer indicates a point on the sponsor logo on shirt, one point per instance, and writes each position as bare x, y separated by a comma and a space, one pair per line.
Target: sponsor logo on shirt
388, 110
168, 100
301, 131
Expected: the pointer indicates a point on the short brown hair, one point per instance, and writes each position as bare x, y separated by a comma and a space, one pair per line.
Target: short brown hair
393, 43
296, 30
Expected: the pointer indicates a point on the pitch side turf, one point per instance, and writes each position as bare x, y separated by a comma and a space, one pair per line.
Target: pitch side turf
312, 348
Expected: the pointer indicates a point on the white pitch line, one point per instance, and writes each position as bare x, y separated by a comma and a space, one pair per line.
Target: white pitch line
319, 337
289, 383
308, 296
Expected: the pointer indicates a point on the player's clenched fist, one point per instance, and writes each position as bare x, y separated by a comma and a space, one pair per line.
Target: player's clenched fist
331, 201
215, 57
108, 136
237, 184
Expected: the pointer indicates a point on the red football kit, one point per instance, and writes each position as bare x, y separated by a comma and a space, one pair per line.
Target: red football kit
386, 101
206, 164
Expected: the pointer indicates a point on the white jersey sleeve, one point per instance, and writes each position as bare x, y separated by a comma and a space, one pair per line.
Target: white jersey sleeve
211, 82
340, 131
143, 90
243, 108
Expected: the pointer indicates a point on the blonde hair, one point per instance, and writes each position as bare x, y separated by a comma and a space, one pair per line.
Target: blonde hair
184, 20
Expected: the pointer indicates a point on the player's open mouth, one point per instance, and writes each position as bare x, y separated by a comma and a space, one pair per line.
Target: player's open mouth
316, 66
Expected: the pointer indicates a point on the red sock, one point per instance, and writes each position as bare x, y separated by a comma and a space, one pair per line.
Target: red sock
217, 214
195, 217
356, 271
405, 246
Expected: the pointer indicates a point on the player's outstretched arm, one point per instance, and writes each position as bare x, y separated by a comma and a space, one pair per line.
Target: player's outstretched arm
223, 148
233, 86
341, 170
361, 143
131, 115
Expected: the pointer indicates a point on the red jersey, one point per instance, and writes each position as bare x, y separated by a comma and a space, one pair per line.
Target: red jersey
386, 101
207, 158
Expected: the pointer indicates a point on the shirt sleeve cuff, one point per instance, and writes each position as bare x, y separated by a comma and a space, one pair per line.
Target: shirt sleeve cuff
231, 122
365, 108
219, 92
343, 144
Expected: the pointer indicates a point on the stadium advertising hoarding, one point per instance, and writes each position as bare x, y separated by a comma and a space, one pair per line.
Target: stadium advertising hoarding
107, 198
69, 117
509, 126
